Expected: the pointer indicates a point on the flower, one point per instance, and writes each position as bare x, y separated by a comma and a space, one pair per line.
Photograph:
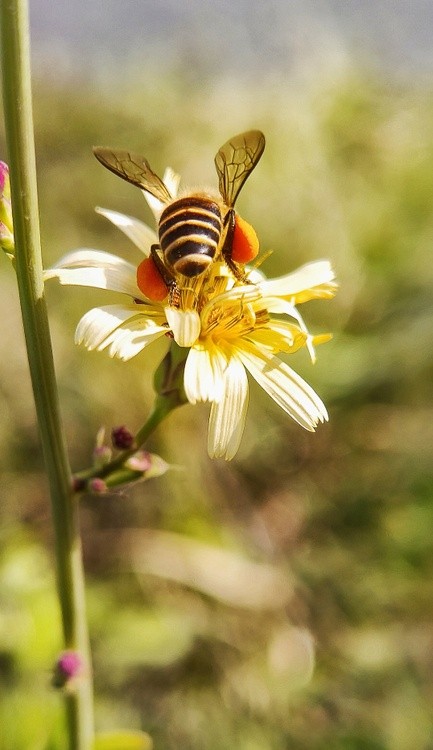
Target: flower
228, 326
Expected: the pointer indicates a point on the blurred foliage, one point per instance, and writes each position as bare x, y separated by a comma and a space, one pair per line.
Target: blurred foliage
283, 600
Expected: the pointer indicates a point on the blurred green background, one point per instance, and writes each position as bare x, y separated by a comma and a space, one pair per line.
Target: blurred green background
282, 601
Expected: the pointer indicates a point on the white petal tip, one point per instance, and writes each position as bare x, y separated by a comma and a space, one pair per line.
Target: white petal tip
185, 325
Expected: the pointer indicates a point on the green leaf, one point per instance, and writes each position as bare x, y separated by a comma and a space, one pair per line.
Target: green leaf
123, 741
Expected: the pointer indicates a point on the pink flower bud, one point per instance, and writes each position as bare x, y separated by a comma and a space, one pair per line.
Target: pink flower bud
150, 464
97, 486
140, 461
6, 226
4, 179
68, 667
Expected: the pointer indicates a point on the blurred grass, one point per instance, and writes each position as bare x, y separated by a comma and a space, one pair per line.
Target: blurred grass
342, 660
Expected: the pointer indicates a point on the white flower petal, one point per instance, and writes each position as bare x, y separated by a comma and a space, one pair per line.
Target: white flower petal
185, 325
95, 268
282, 306
278, 336
138, 232
132, 337
203, 379
302, 280
227, 416
171, 181
254, 275
86, 256
155, 205
97, 324
286, 387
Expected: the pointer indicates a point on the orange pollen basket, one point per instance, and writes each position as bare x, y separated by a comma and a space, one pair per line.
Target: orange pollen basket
245, 242
150, 281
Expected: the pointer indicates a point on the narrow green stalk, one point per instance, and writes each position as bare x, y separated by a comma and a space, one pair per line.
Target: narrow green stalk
20, 140
168, 383
162, 408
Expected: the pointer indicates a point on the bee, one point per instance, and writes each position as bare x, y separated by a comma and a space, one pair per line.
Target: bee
196, 229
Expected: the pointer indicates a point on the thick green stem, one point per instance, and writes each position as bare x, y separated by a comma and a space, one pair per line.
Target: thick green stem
20, 141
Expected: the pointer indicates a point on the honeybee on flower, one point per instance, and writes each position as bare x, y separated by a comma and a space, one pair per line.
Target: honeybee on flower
197, 228
230, 319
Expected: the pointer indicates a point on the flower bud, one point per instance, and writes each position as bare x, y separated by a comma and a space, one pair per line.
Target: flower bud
78, 484
6, 239
68, 667
101, 451
140, 461
101, 456
122, 438
137, 468
150, 464
6, 225
5, 192
97, 486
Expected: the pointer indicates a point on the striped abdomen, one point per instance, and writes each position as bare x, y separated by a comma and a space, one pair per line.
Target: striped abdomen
189, 234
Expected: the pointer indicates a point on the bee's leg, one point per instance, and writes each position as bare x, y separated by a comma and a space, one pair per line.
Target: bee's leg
226, 251
166, 275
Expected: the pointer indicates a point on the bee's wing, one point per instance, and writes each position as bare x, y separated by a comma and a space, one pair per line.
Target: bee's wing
134, 169
236, 160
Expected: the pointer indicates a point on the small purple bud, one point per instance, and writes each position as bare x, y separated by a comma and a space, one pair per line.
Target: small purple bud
78, 484
70, 663
97, 486
122, 438
69, 666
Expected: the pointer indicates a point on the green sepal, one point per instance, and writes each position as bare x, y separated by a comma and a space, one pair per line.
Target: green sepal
168, 378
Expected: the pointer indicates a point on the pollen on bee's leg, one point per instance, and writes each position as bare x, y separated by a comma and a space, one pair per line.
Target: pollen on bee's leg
150, 281
245, 242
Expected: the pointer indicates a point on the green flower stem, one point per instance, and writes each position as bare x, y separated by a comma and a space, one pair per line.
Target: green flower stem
20, 140
163, 406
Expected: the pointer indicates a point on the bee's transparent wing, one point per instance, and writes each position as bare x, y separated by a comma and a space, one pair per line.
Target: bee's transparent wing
134, 169
236, 160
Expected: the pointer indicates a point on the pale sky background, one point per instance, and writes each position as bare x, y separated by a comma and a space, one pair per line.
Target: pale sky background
242, 35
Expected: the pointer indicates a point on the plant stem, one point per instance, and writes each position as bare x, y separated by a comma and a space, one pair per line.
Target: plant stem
20, 140
161, 409
170, 392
